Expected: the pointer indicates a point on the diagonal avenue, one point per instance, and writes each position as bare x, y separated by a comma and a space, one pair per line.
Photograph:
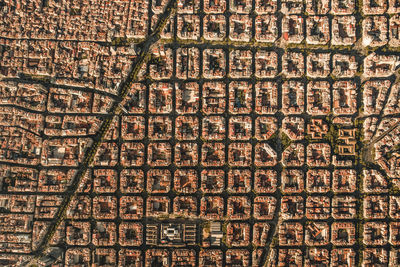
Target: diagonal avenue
114, 111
